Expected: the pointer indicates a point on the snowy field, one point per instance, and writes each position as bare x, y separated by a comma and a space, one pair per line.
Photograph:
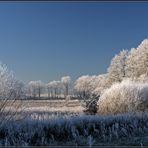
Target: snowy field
44, 108
49, 122
47, 106
52, 106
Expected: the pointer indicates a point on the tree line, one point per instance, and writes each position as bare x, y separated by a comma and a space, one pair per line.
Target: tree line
53, 89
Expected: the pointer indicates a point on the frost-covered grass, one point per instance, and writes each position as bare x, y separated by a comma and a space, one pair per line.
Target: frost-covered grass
55, 109
47, 106
127, 96
73, 129
51, 103
56, 123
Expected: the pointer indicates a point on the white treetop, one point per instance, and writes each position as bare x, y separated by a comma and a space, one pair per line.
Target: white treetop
131, 63
116, 71
85, 84
65, 79
137, 61
36, 84
91, 84
142, 58
101, 84
54, 84
54, 87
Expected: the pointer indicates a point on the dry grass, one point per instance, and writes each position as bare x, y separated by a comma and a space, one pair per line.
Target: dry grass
49, 106
54, 106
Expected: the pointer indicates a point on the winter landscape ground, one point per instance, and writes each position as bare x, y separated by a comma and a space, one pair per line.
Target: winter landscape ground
54, 123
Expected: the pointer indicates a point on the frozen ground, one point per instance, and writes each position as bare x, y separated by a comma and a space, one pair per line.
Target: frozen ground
72, 106
63, 123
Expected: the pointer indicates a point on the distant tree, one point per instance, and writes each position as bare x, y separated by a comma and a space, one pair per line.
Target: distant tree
32, 89
59, 89
36, 87
39, 86
49, 90
65, 81
85, 85
54, 87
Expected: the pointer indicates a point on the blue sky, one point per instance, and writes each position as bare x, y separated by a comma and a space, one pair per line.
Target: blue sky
47, 40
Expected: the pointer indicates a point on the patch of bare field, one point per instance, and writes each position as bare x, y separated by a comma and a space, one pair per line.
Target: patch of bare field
47, 106
77, 109
53, 106
51, 103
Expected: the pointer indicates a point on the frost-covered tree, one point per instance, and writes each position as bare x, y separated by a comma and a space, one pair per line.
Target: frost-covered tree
66, 81
32, 89
84, 85
54, 88
88, 89
39, 87
10, 90
143, 78
143, 58
101, 83
137, 61
131, 64
116, 71
36, 88
49, 89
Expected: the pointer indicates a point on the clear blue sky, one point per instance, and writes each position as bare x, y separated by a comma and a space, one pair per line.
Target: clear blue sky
47, 40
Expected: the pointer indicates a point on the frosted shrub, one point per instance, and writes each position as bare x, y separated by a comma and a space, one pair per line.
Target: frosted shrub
90, 105
126, 96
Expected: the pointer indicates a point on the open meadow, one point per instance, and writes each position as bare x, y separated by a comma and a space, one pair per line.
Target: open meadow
58, 122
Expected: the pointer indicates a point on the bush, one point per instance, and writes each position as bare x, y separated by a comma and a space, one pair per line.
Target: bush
89, 103
91, 106
126, 96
